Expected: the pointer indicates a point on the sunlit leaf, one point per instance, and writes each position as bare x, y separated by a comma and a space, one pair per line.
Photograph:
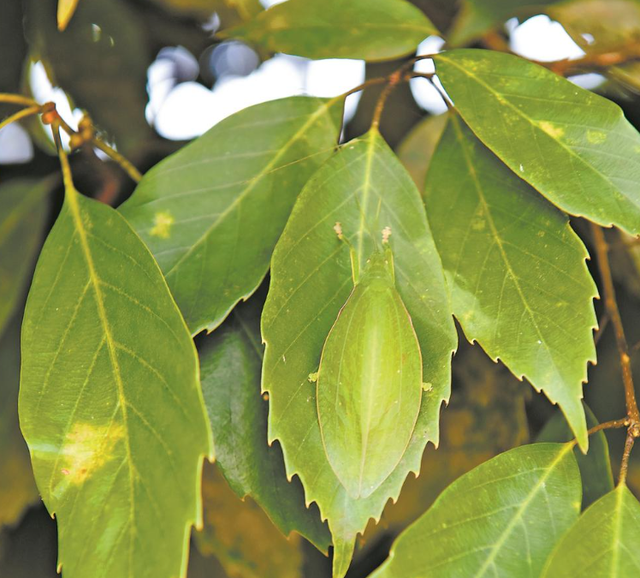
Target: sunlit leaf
23, 211
517, 273
212, 212
241, 537
503, 518
231, 363
66, 8
110, 403
603, 542
365, 188
573, 146
362, 29
595, 466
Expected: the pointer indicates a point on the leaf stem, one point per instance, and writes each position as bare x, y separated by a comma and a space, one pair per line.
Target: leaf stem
126, 165
17, 99
24, 113
67, 177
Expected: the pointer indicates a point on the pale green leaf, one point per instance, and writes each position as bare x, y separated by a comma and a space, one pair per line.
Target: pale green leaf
416, 149
66, 8
502, 519
595, 465
573, 146
516, 270
23, 211
603, 543
365, 188
231, 363
110, 403
212, 212
362, 29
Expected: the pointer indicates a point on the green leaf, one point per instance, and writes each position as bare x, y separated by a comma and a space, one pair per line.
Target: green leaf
417, 148
595, 466
212, 212
231, 363
573, 146
66, 8
603, 542
23, 212
365, 188
501, 519
110, 403
516, 270
362, 29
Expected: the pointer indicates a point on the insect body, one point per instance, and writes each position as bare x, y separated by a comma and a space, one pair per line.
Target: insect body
369, 383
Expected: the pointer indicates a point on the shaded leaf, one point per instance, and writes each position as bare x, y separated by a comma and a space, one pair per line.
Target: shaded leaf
417, 148
573, 146
365, 188
595, 466
212, 212
119, 459
501, 519
362, 29
66, 8
231, 363
241, 537
23, 212
229, 11
517, 273
603, 542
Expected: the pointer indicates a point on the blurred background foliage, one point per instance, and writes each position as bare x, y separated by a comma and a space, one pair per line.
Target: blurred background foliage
152, 74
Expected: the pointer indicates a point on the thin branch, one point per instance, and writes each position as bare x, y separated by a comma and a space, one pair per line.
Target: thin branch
24, 113
67, 177
616, 423
624, 466
17, 99
126, 165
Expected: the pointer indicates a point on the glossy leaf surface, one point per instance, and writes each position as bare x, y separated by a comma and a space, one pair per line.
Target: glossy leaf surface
231, 362
501, 519
362, 29
119, 460
212, 212
573, 146
603, 542
517, 273
23, 211
365, 188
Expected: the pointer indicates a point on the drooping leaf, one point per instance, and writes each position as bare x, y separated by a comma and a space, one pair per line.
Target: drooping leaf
241, 537
110, 403
231, 363
603, 542
66, 8
23, 211
212, 212
365, 188
517, 273
573, 146
362, 29
503, 519
417, 148
595, 465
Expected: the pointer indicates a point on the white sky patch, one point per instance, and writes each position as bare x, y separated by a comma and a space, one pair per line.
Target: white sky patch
540, 38
269, 3
423, 92
15, 145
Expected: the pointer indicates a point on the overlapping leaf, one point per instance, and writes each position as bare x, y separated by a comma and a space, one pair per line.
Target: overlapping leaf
503, 519
517, 273
603, 542
23, 210
573, 146
365, 188
110, 402
231, 362
212, 213
362, 29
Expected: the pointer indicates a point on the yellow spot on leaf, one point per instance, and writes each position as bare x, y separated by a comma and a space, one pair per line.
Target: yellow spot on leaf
162, 225
551, 129
596, 136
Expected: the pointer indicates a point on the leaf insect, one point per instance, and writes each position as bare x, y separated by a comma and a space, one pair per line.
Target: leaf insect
369, 382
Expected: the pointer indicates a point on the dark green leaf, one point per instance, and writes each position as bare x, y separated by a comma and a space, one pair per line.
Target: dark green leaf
212, 212
501, 519
573, 146
110, 403
595, 466
516, 270
602, 543
363, 29
231, 363
365, 188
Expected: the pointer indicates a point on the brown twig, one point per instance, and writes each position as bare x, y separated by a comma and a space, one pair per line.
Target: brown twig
611, 305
